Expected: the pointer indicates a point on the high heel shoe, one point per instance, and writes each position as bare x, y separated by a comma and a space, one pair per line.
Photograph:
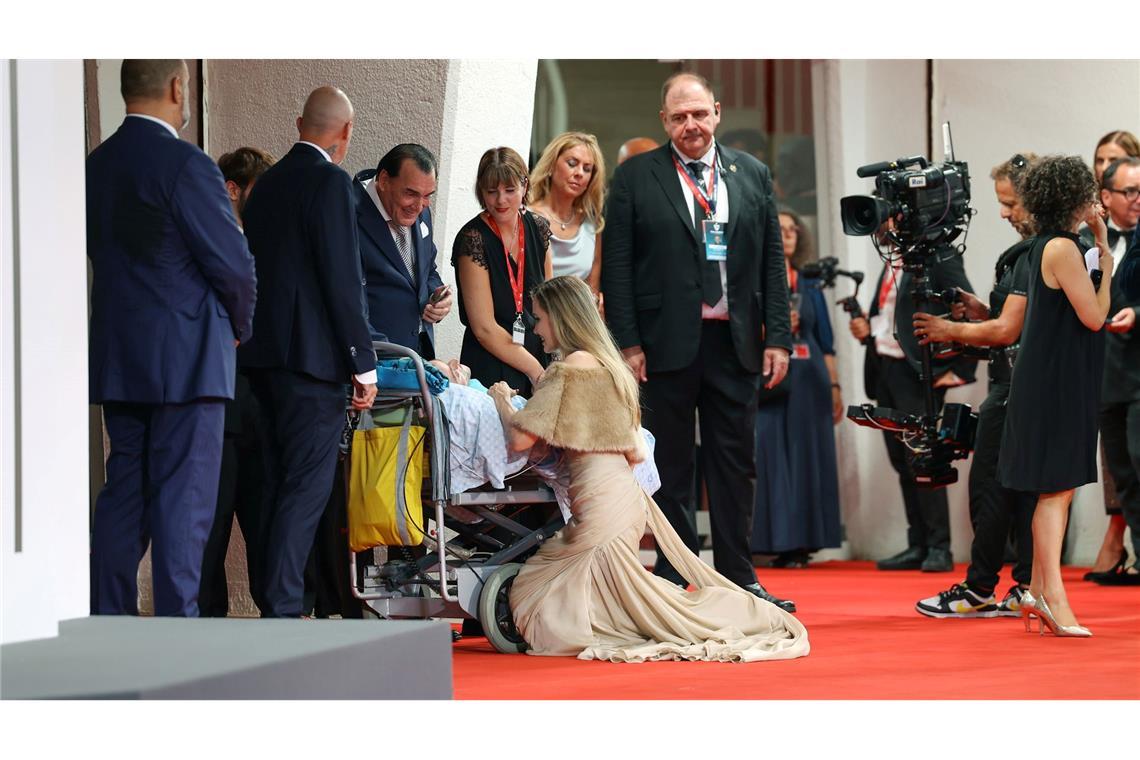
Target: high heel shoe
1111, 573
1027, 607
1046, 617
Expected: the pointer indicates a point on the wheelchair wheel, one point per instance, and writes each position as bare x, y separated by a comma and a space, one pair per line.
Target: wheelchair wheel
495, 610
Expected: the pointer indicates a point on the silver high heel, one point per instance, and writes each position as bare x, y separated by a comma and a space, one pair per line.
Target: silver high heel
1045, 615
1028, 605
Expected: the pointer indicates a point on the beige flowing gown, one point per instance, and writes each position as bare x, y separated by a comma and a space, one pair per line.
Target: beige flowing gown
585, 592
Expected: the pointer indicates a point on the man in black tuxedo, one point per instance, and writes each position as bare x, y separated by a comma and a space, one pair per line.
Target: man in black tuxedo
892, 377
172, 293
397, 250
312, 336
697, 298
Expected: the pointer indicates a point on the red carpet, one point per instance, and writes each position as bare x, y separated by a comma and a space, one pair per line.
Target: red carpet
867, 642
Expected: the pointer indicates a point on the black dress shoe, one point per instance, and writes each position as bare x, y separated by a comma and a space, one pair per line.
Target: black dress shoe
787, 605
910, 559
938, 561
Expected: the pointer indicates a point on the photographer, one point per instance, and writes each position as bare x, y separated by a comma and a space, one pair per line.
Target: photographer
992, 508
895, 381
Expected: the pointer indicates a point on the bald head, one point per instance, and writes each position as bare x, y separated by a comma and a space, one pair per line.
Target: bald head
327, 121
635, 146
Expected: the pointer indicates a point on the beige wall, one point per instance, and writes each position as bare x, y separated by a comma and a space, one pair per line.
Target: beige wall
257, 102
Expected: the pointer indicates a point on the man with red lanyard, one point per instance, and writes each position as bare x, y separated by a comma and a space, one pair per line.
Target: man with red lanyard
697, 299
894, 381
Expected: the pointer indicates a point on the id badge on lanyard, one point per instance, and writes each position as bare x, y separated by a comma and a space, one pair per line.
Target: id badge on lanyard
716, 247
518, 331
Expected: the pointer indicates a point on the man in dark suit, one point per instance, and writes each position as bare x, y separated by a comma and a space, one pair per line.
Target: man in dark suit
892, 377
172, 295
697, 298
397, 250
312, 336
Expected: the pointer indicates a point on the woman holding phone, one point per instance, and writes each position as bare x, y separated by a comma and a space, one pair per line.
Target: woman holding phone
500, 256
1049, 441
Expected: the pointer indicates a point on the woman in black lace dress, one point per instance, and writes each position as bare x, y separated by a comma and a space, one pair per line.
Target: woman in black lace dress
1049, 443
500, 256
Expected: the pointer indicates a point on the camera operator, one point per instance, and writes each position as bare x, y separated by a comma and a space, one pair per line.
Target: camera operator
993, 509
895, 381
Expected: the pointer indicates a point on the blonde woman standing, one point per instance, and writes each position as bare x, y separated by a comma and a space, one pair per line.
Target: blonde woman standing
567, 188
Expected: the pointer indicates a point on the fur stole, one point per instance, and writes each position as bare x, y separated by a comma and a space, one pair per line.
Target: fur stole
578, 408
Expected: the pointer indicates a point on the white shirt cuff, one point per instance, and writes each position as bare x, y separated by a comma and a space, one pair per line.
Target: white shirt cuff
367, 378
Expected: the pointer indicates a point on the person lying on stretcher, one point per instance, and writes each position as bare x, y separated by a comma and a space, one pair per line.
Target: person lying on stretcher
479, 453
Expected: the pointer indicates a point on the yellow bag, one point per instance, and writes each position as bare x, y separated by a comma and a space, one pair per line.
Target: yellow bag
385, 476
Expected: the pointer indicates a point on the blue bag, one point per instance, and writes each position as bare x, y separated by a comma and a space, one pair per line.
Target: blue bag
400, 374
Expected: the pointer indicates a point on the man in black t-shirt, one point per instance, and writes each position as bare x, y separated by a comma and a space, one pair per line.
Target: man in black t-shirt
993, 509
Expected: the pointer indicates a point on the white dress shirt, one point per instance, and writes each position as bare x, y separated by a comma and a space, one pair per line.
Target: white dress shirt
720, 310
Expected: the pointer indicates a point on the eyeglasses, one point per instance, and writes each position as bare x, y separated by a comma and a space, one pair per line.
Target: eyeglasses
1130, 193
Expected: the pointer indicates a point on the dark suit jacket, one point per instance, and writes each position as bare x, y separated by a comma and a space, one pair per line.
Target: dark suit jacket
651, 262
1129, 274
946, 272
395, 305
173, 279
311, 315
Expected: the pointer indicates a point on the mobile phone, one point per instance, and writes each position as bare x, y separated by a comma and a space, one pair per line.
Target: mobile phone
438, 294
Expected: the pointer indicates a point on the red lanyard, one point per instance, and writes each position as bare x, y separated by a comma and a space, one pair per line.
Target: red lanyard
516, 279
888, 283
708, 202
793, 279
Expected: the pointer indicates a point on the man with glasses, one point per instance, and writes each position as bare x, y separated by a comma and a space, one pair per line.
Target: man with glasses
993, 509
1120, 392
406, 295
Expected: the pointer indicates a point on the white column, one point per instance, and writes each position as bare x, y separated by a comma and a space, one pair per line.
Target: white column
487, 104
43, 313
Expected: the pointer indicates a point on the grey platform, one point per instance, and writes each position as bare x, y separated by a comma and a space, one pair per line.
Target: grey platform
231, 658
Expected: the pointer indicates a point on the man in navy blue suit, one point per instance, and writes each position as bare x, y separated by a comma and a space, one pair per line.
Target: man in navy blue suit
312, 337
173, 294
406, 295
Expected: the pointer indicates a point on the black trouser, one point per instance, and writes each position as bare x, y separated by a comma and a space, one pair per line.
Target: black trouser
239, 493
301, 422
328, 589
1120, 434
994, 509
725, 393
927, 510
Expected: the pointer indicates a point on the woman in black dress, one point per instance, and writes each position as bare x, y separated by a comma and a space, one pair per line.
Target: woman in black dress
500, 256
1049, 442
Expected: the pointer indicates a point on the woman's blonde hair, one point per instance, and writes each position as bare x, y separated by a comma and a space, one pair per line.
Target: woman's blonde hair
499, 166
592, 201
577, 326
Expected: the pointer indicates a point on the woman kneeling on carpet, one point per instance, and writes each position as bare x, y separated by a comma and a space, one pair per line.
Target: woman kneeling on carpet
585, 593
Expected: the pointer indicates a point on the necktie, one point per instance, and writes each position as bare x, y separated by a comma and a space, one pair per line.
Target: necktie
1114, 235
405, 247
710, 270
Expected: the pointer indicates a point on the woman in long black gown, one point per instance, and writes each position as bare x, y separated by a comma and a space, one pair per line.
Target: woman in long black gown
500, 256
1049, 442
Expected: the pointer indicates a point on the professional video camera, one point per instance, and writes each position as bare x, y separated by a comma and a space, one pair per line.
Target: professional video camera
918, 211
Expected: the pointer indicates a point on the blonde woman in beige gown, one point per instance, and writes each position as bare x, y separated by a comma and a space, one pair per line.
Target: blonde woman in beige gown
585, 593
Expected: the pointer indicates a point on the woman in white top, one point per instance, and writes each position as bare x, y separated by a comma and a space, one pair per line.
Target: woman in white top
567, 188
